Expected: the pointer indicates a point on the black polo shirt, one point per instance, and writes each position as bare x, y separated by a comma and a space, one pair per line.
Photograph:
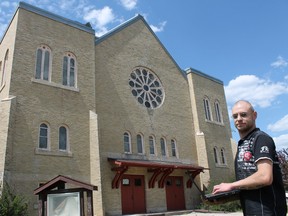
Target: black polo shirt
269, 200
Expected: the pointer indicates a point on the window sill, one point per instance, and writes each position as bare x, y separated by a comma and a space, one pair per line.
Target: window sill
221, 165
215, 122
53, 153
57, 85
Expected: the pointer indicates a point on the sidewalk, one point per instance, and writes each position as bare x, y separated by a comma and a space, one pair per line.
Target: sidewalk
211, 213
191, 213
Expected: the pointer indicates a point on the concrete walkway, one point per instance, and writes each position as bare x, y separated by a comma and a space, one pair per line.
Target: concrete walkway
211, 213
191, 213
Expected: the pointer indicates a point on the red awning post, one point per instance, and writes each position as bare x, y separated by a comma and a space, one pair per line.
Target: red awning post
166, 173
156, 173
119, 173
192, 175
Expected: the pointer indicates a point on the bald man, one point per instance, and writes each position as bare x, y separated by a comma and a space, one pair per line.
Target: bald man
257, 170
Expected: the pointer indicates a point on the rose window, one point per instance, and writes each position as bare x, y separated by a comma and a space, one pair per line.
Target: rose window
146, 88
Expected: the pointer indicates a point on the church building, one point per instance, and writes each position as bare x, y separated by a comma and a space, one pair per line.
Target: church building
114, 111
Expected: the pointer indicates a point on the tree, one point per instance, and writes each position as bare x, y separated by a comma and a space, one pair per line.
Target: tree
283, 159
12, 204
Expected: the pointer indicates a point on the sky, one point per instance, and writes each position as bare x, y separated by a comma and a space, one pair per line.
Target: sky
243, 43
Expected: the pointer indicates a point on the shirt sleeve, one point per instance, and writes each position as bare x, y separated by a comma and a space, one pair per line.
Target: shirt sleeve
264, 148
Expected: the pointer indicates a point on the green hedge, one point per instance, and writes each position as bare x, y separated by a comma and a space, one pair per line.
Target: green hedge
12, 204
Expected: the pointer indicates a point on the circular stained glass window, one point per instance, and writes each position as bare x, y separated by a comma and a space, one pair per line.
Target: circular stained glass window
146, 88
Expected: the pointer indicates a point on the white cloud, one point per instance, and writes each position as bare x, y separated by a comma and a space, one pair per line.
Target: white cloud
66, 5
281, 142
160, 28
279, 63
7, 9
259, 92
100, 18
281, 125
129, 4
5, 4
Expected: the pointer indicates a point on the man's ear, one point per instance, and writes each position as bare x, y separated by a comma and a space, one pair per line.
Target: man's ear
255, 115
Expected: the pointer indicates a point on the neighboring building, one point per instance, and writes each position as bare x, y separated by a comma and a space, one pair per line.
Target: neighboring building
116, 112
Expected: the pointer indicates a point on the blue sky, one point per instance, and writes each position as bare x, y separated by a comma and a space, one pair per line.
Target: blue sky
244, 43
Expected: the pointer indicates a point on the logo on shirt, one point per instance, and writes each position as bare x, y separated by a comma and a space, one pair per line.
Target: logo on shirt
264, 149
247, 156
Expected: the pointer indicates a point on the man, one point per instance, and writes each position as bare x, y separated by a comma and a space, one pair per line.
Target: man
257, 170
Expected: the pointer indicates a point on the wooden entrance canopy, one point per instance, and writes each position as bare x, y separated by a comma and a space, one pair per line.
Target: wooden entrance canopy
159, 169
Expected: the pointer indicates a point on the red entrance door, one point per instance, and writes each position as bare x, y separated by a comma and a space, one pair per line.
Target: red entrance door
133, 194
175, 193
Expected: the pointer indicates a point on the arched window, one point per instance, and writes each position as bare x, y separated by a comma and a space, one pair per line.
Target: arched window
69, 70
63, 138
207, 109
173, 148
163, 147
4, 68
216, 159
43, 136
223, 158
139, 144
43, 62
152, 145
218, 112
127, 142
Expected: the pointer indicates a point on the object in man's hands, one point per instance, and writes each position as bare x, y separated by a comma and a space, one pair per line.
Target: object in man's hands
223, 197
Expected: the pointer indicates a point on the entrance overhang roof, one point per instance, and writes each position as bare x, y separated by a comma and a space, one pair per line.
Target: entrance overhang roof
159, 168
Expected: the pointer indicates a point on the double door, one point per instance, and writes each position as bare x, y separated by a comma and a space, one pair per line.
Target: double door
175, 193
133, 194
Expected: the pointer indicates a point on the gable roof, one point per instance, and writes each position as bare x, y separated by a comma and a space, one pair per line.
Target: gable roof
192, 70
131, 22
55, 17
59, 180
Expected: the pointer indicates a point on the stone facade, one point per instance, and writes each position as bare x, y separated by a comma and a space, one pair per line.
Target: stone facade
100, 108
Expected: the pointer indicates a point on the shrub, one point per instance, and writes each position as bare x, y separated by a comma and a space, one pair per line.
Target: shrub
12, 204
232, 206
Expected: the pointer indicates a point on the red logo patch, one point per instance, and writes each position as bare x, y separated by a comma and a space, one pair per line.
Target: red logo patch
247, 156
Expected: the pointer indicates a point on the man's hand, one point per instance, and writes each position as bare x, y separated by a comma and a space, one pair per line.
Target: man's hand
222, 188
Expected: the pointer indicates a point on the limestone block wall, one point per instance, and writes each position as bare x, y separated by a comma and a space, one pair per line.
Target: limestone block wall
214, 133
50, 102
118, 110
7, 51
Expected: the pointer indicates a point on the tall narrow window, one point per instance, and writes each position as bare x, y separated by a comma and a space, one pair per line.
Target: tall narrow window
163, 146
63, 138
127, 142
215, 150
69, 70
43, 63
207, 109
139, 144
151, 145
218, 112
223, 159
43, 136
4, 68
173, 148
